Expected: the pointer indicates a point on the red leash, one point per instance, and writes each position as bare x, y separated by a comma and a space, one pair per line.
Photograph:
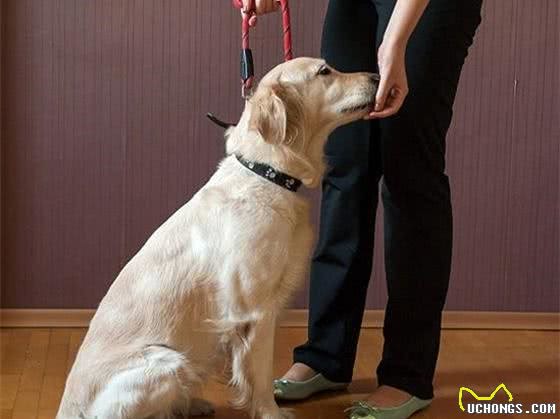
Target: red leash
247, 67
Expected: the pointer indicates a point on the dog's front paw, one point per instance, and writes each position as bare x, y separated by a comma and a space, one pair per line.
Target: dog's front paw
201, 407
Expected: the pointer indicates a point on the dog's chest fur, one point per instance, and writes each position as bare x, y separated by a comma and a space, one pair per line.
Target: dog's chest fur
236, 250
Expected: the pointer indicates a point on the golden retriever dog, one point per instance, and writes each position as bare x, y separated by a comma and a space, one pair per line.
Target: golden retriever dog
209, 284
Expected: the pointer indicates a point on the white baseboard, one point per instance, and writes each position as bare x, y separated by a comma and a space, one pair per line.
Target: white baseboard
298, 318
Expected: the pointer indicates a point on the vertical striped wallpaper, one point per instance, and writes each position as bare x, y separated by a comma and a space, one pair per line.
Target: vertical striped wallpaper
104, 136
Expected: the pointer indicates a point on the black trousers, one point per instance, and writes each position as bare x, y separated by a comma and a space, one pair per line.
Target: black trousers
407, 152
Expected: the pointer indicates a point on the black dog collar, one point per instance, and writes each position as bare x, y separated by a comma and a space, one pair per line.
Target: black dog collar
273, 175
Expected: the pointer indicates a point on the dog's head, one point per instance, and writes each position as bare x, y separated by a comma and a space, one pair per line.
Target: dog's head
293, 110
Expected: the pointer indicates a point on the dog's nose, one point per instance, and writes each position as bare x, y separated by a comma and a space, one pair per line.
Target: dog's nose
374, 78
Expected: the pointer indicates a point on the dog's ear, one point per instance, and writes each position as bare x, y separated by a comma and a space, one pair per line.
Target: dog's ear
276, 113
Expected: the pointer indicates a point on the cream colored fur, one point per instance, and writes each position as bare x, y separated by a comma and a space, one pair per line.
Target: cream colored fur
209, 284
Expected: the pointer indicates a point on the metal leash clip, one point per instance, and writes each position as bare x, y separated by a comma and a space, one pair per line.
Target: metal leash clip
247, 66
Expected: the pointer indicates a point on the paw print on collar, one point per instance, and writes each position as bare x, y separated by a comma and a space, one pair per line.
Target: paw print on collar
270, 173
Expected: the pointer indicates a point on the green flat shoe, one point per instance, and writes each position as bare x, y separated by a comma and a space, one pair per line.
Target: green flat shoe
300, 390
363, 410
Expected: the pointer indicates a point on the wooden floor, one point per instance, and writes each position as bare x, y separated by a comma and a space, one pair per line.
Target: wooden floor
35, 362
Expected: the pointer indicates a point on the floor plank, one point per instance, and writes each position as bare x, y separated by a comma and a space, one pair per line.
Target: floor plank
35, 363
9, 384
26, 405
14, 352
34, 366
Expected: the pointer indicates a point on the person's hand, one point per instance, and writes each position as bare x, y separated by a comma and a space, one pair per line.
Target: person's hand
393, 84
262, 7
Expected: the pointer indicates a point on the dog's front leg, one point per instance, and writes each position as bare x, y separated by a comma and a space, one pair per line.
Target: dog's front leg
252, 370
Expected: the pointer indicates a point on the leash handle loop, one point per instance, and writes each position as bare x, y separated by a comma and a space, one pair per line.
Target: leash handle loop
247, 66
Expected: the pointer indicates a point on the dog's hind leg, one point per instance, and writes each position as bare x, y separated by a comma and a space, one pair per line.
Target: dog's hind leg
154, 386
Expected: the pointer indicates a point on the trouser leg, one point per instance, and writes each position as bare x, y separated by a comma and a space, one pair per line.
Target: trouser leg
416, 194
341, 264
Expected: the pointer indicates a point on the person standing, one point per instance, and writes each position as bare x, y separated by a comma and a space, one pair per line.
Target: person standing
419, 48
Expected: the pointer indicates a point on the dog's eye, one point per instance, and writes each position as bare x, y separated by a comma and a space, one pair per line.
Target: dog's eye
324, 71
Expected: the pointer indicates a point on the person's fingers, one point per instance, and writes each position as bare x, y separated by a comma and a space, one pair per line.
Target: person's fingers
396, 99
392, 104
252, 17
251, 13
245, 7
262, 7
267, 7
381, 95
388, 111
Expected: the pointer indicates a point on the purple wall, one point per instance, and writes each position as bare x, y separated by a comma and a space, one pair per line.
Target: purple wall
104, 135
